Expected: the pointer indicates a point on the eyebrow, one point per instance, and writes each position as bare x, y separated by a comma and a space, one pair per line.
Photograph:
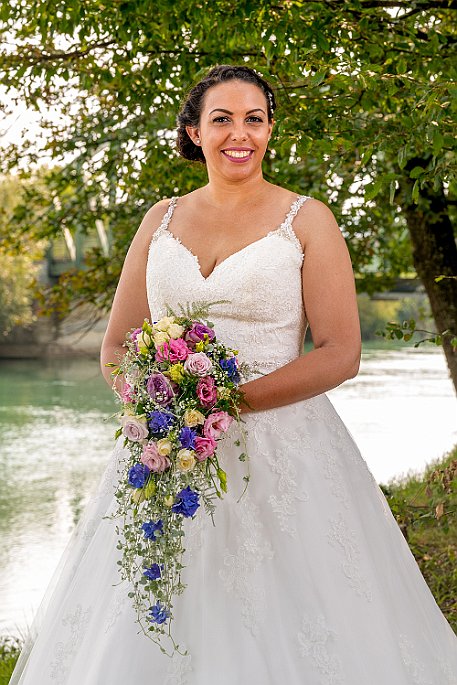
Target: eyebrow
219, 109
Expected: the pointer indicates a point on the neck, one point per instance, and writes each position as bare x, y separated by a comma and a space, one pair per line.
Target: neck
225, 193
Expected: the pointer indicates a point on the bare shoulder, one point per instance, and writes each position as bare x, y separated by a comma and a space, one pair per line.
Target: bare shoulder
151, 221
315, 222
154, 215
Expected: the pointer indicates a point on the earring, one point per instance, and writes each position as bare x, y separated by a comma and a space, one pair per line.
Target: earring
197, 140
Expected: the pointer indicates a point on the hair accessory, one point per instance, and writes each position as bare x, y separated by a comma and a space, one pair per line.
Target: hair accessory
270, 100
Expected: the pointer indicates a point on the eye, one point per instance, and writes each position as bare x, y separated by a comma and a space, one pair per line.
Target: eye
256, 119
219, 118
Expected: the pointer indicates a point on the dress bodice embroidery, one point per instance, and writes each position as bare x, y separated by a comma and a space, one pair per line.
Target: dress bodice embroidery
262, 312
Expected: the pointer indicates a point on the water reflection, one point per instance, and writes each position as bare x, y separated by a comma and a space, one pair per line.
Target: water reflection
54, 443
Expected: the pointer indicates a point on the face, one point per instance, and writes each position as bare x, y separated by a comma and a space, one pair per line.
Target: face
234, 129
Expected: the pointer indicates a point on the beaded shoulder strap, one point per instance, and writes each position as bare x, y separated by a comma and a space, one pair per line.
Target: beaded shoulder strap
166, 218
286, 229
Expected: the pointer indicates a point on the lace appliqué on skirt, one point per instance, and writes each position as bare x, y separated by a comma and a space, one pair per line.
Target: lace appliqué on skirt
74, 622
283, 504
179, 669
315, 640
340, 535
238, 573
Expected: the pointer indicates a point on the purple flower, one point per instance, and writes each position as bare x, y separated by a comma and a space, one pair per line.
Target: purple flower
153, 572
186, 502
134, 334
231, 369
158, 613
138, 475
150, 529
187, 437
197, 333
159, 388
159, 422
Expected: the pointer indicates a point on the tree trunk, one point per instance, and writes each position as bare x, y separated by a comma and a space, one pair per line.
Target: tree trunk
434, 253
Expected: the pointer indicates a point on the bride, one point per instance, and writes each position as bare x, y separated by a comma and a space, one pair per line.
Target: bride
308, 578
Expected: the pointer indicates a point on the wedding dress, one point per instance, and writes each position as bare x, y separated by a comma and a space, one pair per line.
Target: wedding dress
307, 580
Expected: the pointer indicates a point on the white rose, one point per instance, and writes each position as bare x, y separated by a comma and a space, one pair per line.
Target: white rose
164, 323
175, 330
164, 447
160, 338
186, 460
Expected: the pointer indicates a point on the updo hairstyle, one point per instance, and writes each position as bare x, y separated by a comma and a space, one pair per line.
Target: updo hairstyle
193, 103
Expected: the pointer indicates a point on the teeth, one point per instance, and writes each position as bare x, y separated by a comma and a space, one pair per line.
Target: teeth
236, 153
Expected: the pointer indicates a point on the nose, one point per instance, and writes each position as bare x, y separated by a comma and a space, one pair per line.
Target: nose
239, 133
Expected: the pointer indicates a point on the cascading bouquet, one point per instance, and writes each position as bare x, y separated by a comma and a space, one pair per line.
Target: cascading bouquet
179, 397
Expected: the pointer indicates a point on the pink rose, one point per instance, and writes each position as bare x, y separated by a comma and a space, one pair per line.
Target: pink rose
198, 364
173, 350
204, 447
133, 428
128, 394
207, 391
217, 423
151, 458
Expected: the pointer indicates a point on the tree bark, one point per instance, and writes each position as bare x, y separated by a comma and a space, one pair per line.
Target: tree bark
434, 253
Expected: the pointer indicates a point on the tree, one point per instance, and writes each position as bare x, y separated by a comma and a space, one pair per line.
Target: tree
365, 120
19, 271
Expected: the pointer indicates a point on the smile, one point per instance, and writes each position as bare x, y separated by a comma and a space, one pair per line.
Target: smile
238, 155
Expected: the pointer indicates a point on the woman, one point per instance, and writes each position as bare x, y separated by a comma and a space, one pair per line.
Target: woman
308, 578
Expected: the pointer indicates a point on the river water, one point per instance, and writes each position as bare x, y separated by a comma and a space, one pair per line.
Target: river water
56, 436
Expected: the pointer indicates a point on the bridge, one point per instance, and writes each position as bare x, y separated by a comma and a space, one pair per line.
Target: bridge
68, 251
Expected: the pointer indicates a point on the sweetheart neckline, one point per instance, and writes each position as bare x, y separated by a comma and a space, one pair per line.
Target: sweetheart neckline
177, 240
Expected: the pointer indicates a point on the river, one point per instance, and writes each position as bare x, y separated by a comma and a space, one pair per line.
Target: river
56, 437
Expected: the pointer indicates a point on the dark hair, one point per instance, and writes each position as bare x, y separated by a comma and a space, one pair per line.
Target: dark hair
192, 104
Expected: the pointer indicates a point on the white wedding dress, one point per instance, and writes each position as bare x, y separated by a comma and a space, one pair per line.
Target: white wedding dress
308, 580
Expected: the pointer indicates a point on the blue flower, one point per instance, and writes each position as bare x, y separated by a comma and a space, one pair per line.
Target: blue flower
230, 367
150, 529
158, 613
159, 422
187, 437
153, 572
186, 502
138, 475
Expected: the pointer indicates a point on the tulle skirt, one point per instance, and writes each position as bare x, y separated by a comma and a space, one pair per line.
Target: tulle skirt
306, 579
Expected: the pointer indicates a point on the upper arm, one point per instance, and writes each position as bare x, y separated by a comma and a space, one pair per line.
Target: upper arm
329, 293
130, 304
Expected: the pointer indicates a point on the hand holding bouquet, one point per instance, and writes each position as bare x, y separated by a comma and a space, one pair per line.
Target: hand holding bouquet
179, 397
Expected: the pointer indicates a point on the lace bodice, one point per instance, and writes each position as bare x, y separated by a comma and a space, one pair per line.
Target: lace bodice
264, 317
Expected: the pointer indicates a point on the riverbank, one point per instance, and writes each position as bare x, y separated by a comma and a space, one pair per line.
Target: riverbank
425, 508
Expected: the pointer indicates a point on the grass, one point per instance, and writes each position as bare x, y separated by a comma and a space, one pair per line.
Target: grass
425, 507
10, 648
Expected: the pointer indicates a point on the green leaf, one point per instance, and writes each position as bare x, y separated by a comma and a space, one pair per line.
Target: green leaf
222, 479
372, 189
438, 142
402, 157
367, 155
318, 78
416, 172
392, 189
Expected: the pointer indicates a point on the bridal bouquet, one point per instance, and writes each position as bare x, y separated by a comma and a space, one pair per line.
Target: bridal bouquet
179, 398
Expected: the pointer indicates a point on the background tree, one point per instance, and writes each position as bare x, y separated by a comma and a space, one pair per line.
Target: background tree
19, 271
367, 101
